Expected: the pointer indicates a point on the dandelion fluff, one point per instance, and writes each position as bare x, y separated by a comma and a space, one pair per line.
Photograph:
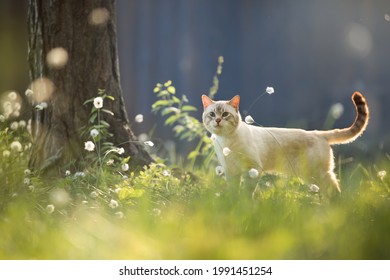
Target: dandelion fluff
253, 173
57, 58
226, 151
249, 120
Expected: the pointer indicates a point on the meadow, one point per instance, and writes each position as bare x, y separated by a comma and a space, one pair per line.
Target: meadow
106, 211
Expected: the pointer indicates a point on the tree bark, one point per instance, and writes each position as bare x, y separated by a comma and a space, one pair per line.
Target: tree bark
92, 64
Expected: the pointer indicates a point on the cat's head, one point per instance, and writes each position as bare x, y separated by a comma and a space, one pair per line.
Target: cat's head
221, 117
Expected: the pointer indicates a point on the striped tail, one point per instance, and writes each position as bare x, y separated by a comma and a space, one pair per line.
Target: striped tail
347, 135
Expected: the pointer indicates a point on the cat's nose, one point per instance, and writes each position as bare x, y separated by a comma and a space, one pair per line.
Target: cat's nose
218, 120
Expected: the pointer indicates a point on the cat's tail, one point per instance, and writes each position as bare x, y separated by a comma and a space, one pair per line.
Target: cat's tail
347, 135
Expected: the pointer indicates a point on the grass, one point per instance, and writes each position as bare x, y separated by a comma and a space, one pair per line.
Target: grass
172, 215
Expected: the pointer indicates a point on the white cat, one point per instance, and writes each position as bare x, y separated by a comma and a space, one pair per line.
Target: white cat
241, 147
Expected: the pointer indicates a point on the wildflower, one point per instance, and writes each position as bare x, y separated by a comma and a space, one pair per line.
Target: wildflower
94, 194
213, 137
94, 132
14, 125
79, 174
89, 146
27, 172
149, 143
269, 90
67, 173
22, 124
98, 102
314, 188
336, 110
249, 120
166, 173
139, 118
120, 151
119, 215
226, 151
382, 174
6, 153
27, 181
219, 170
31, 188
50, 208
125, 167
110, 162
16, 146
12, 95
29, 92
41, 106
253, 173
156, 212
113, 204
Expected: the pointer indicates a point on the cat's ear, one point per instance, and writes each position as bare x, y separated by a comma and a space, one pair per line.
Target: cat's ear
207, 101
235, 102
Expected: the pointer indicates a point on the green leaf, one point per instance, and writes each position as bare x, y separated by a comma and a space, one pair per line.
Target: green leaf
188, 108
160, 103
126, 193
171, 119
171, 89
193, 155
108, 112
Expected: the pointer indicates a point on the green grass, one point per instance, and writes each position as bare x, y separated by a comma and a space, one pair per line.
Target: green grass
175, 215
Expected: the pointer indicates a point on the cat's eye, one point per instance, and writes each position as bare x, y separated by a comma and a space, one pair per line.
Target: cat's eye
225, 114
212, 114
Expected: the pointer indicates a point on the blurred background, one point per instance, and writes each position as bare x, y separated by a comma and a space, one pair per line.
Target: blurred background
314, 53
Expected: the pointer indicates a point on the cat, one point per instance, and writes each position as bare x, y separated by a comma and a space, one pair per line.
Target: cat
241, 147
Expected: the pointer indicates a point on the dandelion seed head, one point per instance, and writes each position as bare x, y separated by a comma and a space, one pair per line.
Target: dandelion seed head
16, 146
336, 110
12, 96
120, 151
125, 167
166, 173
314, 188
382, 174
28, 92
119, 215
94, 132
269, 90
249, 119
6, 153
14, 125
59, 197
139, 118
67, 173
226, 151
42, 88
253, 173
27, 172
113, 204
110, 162
99, 16
93, 194
22, 124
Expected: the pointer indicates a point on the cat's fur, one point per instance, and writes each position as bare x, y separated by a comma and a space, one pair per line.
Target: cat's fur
298, 152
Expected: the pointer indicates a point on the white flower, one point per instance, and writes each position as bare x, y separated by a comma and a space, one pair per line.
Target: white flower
27, 172
113, 204
110, 162
139, 118
337, 110
125, 167
27, 181
166, 173
119, 215
249, 120
226, 151
89, 146
29, 92
12, 95
31, 188
314, 188
22, 124
79, 174
16, 146
213, 137
6, 153
94, 132
41, 106
253, 173
120, 151
67, 173
14, 125
156, 212
382, 174
98, 102
50, 208
219, 170
269, 90
149, 143
94, 194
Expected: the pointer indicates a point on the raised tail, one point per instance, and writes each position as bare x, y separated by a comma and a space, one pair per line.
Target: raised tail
347, 135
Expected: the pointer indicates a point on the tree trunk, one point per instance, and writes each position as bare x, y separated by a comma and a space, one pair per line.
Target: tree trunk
92, 63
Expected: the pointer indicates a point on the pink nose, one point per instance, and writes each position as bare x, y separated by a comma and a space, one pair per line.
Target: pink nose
218, 120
